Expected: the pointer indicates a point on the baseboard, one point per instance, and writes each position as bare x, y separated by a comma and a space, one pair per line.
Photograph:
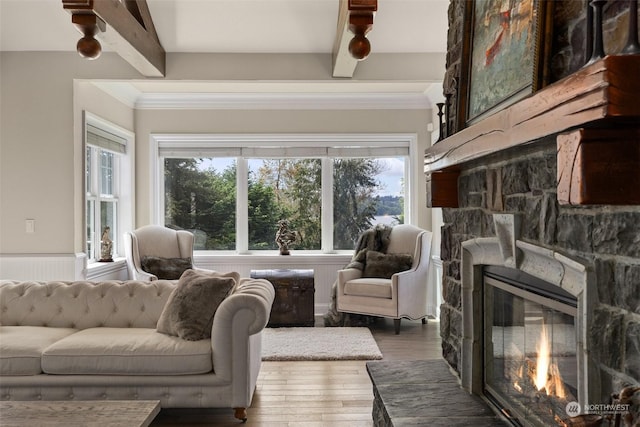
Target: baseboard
320, 309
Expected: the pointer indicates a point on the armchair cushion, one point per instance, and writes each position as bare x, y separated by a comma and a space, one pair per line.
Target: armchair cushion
166, 268
385, 265
369, 287
190, 308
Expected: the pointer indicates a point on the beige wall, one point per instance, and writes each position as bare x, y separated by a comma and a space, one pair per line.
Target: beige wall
42, 95
41, 150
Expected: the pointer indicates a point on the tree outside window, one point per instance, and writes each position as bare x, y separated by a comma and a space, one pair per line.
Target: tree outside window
294, 186
201, 198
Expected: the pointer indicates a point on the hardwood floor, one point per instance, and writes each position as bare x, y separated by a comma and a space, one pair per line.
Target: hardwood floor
331, 393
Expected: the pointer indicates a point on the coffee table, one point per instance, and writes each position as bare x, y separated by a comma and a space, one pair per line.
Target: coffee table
98, 413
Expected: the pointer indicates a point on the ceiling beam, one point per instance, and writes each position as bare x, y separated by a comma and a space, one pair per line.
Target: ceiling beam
125, 26
355, 19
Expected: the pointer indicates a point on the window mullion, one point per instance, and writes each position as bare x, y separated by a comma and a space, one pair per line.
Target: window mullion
90, 205
327, 205
95, 186
97, 231
242, 206
115, 233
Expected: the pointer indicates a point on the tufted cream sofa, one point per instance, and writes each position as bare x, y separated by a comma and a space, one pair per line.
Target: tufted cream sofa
97, 341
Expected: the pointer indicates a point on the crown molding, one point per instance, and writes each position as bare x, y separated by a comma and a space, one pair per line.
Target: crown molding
284, 101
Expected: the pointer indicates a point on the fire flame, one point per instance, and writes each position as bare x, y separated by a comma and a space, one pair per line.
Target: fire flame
547, 375
555, 384
544, 359
516, 384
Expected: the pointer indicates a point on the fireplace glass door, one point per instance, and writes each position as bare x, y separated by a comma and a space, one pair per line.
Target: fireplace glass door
530, 362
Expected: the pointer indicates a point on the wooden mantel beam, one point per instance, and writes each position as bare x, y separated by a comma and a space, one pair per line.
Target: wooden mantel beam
594, 114
599, 166
129, 31
355, 19
602, 91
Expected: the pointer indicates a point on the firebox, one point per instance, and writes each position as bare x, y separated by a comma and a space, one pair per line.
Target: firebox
535, 297
530, 351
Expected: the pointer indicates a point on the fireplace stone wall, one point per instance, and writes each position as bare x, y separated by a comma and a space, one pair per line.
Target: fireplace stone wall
604, 238
522, 181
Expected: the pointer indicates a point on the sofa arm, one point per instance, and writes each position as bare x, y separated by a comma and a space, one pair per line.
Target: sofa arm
252, 295
242, 314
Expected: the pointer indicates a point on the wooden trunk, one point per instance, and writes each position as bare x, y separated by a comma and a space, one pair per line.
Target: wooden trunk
294, 303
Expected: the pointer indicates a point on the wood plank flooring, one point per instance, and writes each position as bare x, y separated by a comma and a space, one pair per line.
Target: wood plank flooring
310, 394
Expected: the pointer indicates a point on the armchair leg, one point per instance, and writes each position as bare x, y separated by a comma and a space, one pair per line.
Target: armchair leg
396, 325
241, 414
424, 320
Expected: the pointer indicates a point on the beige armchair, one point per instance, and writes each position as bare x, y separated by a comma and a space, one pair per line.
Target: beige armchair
157, 241
404, 294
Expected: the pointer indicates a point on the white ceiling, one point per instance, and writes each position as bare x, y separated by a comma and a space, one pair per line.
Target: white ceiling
293, 25
238, 26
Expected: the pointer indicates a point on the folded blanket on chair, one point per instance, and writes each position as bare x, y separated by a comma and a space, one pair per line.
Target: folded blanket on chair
374, 239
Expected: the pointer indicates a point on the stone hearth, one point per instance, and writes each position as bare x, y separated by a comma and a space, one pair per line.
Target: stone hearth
424, 393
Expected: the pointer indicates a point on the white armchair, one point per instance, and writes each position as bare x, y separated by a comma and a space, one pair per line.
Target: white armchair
404, 294
157, 241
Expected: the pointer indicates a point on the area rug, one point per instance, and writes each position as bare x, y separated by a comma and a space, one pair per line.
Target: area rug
319, 344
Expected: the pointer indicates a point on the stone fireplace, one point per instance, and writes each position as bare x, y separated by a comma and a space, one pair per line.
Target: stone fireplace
517, 194
591, 252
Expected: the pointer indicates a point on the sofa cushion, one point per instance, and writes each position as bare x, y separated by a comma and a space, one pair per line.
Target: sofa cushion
22, 346
369, 287
189, 311
165, 268
385, 265
126, 351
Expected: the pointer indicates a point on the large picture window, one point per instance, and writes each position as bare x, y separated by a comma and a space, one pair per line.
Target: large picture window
231, 194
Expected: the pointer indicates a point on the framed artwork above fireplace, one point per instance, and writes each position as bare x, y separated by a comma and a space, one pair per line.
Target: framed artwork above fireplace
506, 52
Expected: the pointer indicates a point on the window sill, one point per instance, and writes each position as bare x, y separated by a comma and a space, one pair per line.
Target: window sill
95, 269
301, 257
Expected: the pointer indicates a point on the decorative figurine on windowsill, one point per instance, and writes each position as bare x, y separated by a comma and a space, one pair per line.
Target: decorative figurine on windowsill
105, 246
285, 237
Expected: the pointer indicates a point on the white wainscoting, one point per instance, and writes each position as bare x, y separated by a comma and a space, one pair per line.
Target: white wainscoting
435, 287
325, 268
43, 267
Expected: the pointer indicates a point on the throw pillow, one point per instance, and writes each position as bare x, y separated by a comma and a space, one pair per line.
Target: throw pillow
189, 311
165, 268
385, 265
358, 261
